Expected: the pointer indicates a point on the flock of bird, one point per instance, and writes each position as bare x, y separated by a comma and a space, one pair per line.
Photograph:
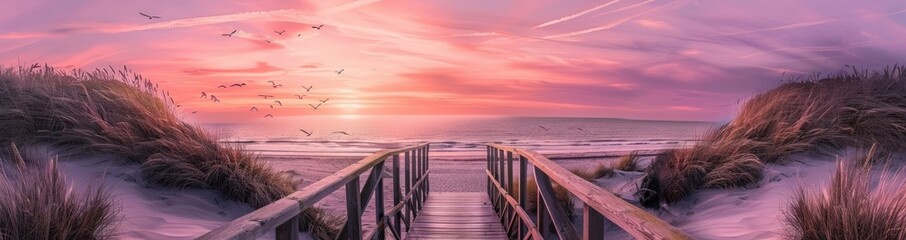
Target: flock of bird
274, 84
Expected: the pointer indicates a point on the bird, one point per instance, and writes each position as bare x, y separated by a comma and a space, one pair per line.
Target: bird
307, 133
177, 105
277, 85
254, 109
268, 115
148, 16
194, 112
204, 95
265, 96
340, 132
229, 34
324, 101
215, 99
238, 85
278, 102
272, 106
280, 32
315, 107
222, 86
299, 35
272, 82
268, 41
308, 89
339, 72
300, 96
318, 27
545, 129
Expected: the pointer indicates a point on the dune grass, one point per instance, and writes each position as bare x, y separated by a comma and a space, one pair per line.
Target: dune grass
37, 203
115, 111
851, 109
848, 208
564, 198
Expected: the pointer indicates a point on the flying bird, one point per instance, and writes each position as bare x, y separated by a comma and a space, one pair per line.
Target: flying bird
315, 107
272, 82
324, 101
148, 16
307, 133
265, 96
340, 72
300, 96
268, 41
215, 99
268, 115
280, 32
278, 102
204, 95
222, 86
308, 89
341, 132
545, 129
238, 85
254, 109
194, 112
272, 106
277, 85
318, 27
229, 34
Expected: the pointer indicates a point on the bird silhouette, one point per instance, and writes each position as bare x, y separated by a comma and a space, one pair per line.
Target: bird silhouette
318, 27
265, 96
300, 96
277, 85
222, 86
280, 32
340, 132
307, 133
339, 72
204, 95
148, 16
545, 129
229, 34
278, 102
272, 106
299, 35
194, 112
315, 107
324, 101
272, 82
268, 41
254, 109
308, 89
215, 99
238, 85
268, 115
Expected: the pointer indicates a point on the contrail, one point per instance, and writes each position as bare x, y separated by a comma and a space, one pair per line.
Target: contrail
567, 18
784, 27
292, 15
625, 8
350, 6
608, 26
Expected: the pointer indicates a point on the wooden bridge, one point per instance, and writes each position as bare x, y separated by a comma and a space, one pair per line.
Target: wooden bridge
417, 213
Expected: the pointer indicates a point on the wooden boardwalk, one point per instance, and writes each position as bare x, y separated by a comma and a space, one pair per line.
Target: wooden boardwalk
457, 215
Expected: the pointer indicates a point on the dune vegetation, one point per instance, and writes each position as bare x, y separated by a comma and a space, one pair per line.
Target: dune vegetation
855, 109
36, 203
849, 208
117, 112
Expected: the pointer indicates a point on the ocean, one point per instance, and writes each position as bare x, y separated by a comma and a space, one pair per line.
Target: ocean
455, 137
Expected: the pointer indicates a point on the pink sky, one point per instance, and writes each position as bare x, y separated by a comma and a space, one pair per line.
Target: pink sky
646, 59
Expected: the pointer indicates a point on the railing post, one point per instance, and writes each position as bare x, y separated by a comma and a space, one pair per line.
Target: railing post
408, 177
593, 224
397, 195
523, 165
541, 217
416, 176
427, 167
289, 230
353, 210
379, 204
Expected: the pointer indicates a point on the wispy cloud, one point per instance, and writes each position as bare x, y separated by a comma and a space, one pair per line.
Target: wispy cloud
579, 14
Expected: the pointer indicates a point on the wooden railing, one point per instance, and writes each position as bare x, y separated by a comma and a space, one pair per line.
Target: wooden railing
598, 203
283, 215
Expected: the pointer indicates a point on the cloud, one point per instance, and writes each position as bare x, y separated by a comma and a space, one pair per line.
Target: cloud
260, 67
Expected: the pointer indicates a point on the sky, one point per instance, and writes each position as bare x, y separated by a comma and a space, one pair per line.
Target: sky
642, 59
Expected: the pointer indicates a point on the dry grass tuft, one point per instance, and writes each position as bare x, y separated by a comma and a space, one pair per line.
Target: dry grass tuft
599, 171
849, 209
628, 163
531, 190
36, 203
856, 109
115, 111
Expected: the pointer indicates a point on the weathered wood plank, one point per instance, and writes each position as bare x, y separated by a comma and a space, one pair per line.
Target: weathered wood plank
457, 216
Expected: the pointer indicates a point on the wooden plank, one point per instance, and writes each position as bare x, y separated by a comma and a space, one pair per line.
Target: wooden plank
289, 230
561, 221
353, 229
593, 224
397, 194
457, 216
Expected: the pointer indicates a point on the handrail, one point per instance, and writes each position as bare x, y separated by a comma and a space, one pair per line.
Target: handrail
283, 215
598, 203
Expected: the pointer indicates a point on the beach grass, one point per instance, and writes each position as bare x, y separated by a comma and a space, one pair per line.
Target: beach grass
851, 109
36, 203
115, 111
848, 207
